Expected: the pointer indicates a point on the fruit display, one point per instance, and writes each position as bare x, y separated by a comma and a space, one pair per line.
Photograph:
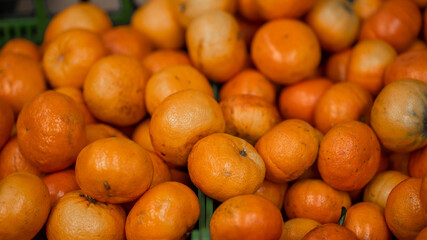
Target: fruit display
216, 119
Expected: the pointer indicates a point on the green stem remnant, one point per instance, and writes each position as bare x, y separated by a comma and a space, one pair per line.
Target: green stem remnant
342, 218
90, 199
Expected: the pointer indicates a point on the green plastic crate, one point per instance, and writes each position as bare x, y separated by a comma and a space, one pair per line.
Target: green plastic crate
206, 203
32, 27
206, 210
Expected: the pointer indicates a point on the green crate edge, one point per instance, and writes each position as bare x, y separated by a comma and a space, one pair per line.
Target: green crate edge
32, 28
206, 210
206, 203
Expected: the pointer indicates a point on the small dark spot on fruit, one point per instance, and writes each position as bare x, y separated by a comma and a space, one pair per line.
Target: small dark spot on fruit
14, 163
106, 185
110, 195
26, 129
70, 139
348, 8
243, 152
127, 110
182, 7
163, 154
200, 52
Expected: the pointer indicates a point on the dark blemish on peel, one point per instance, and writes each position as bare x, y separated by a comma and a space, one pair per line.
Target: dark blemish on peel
243, 152
106, 185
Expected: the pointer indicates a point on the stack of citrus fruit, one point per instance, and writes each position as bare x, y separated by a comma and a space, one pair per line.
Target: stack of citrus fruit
287, 113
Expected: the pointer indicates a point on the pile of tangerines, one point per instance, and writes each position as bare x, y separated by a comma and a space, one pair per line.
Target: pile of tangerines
320, 106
